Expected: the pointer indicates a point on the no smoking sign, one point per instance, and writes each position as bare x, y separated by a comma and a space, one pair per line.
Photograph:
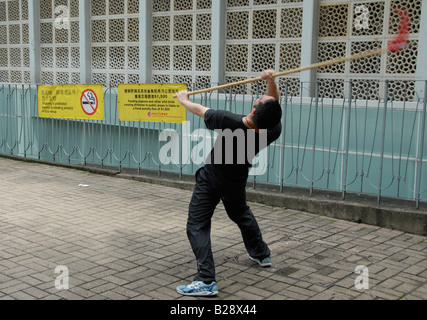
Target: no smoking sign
89, 102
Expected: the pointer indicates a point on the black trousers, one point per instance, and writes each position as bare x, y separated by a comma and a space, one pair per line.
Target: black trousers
210, 188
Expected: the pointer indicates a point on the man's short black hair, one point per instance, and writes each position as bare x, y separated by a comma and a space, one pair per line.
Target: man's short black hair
268, 114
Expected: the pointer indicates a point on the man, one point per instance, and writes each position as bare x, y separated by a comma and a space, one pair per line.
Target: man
225, 180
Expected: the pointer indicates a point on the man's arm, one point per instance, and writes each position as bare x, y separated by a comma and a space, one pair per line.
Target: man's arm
193, 107
271, 84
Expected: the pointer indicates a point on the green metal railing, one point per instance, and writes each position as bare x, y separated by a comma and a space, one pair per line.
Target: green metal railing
363, 146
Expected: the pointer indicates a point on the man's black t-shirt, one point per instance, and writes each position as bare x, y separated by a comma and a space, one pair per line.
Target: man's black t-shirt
235, 138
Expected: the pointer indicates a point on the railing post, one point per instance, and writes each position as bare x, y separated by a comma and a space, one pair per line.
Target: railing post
181, 148
420, 150
316, 107
282, 151
347, 143
383, 142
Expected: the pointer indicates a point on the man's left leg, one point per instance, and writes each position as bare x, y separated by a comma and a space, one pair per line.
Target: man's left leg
239, 212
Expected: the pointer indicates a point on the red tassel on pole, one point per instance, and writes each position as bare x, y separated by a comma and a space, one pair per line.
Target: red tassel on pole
401, 41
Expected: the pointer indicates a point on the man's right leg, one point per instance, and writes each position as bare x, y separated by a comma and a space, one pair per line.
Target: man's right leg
201, 209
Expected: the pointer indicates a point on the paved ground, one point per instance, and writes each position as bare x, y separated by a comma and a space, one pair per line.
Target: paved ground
122, 239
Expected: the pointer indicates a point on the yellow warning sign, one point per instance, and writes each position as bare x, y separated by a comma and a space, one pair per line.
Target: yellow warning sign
151, 103
85, 102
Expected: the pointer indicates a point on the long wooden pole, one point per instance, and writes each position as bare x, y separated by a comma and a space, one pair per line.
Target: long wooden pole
396, 44
362, 55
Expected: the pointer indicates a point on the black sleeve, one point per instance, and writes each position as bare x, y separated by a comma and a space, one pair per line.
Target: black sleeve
214, 119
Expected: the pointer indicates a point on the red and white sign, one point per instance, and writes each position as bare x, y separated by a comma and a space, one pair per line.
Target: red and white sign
89, 102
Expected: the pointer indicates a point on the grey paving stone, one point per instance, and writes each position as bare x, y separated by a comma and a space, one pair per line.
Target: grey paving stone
122, 239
